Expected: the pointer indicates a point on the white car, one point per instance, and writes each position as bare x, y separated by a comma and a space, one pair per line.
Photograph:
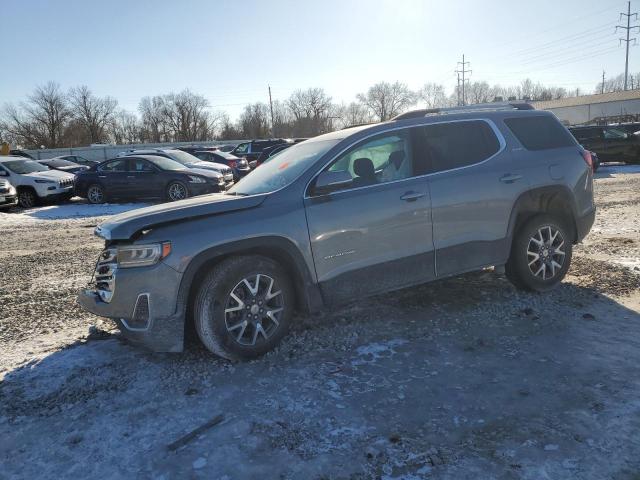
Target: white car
8, 195
35, 182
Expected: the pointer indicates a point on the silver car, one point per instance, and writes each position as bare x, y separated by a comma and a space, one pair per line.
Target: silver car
346, 215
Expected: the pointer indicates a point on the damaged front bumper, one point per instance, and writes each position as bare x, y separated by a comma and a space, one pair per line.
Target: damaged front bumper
143, 302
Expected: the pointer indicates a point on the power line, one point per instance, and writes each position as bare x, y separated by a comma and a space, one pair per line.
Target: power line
463, 72
628, 28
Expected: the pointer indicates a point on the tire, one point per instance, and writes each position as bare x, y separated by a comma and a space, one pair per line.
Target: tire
95, 194
27, 198
234, 323
176, 191
535, 263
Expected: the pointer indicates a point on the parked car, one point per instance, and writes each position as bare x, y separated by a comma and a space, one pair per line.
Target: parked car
79, 160
189, 161
610, 143
226, 148
239, 166
346, 215
192, 149
8, 195
35, 182
62, 165
271, 151
252, 150
145, 176
20, 153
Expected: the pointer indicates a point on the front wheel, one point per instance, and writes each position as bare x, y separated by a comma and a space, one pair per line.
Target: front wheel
177, 191
95, 194
243, 307
27, 198
540, 254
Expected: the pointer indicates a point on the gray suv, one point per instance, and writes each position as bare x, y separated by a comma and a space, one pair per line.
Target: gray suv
349, 214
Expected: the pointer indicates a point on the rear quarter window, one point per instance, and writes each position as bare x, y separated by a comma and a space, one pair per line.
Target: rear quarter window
540, 133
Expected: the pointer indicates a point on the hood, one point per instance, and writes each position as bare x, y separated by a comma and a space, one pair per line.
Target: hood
205, 173
125, 225
208, 166
52, 174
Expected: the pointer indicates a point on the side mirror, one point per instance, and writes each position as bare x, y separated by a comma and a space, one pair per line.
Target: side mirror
329, 181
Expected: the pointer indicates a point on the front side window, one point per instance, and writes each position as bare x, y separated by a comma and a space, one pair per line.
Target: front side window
445, 146
115, 166
612, 133
385, 158
242, 148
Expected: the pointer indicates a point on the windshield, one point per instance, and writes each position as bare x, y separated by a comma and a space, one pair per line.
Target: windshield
167, 164
183, 157
283, 169
24, 166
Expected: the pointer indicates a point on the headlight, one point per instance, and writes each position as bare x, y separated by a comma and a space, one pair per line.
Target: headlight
142, 255
40, 180
194, 179
12, 190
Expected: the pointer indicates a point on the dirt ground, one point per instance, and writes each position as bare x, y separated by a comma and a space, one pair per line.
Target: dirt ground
463, 378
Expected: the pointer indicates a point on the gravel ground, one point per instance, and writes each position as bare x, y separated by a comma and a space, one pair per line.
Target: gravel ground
462, 378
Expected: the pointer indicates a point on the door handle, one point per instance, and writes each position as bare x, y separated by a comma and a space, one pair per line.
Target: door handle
412, 196
102, 176
510, 178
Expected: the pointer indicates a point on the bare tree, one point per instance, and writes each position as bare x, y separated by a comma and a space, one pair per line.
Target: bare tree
254, 121
93, 113
311, 110
187, 116
433, 96
40, 120
353, 114
125, 128
386, 100
478, 92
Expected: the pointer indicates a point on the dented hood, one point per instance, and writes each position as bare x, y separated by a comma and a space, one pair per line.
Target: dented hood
125, 225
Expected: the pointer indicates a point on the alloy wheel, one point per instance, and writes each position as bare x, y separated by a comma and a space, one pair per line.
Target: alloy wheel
177, 191
253, 309
95, 194
545, 252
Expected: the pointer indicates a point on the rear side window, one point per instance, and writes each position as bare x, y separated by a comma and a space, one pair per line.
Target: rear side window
540, 133
445, 146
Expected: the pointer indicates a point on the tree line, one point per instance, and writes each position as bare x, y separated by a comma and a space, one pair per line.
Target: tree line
51, 117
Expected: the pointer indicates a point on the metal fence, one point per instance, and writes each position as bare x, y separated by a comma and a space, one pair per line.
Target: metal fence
105, 152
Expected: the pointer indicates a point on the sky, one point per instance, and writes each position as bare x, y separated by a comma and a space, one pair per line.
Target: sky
231, 51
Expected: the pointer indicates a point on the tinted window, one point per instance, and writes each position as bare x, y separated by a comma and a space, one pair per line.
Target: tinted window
242, 148
140, 165
444, 146
540, 133
115, 166
587, 133
612, 133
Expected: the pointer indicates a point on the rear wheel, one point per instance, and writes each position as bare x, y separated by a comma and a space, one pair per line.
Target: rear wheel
177, 191
95, 194
243, 307
540, 254
27, 198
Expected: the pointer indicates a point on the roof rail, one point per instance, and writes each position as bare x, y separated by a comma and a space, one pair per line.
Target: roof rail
479, 107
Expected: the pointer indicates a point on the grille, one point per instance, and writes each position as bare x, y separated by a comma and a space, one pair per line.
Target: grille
105, 274
66, 182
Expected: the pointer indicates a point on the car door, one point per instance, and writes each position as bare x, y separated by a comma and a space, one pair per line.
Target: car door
144, 179
372, 233
474, 184
113, 176
620, 147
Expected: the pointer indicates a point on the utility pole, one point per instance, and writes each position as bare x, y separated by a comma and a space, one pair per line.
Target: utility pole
602, 87
271, 107
463, 71
458, 89
628, 28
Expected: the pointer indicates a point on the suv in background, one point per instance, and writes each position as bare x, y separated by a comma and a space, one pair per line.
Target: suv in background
612, 144
346, 215
240, 166
252, 150
35, 182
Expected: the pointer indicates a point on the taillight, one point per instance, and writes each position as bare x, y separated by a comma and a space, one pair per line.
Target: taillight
586, 155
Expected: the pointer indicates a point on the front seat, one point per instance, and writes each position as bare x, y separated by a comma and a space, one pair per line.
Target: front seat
366, 173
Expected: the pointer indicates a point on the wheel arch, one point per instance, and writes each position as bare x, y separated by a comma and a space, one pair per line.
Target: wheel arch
555, 200
280, 249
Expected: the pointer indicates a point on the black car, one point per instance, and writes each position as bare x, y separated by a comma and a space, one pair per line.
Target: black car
79, 160
611, 144
252, 150
192, 149
239, 166
145, 176
62, 165
271, 151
